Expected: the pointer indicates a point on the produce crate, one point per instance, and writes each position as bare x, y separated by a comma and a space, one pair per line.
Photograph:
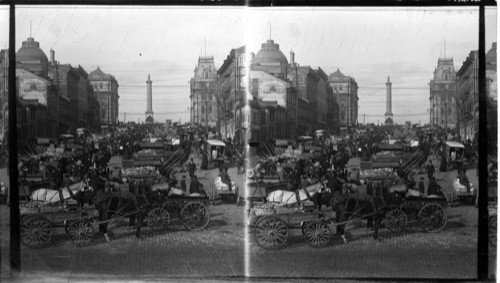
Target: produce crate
127, 163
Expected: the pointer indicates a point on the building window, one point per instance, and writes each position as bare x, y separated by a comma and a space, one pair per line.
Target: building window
209, 109
210, 96
100, 85
340, 87
203, 109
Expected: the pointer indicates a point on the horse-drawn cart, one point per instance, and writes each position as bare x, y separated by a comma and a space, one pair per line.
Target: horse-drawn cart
38, 221
191, 211
429, 213
271, 228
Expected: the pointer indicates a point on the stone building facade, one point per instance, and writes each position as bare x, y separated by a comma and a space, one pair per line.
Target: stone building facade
203, 110
443, 105
106, 88
345, 89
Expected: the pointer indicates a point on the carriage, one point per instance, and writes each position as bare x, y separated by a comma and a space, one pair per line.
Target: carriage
427, 212
38, 223
191, 211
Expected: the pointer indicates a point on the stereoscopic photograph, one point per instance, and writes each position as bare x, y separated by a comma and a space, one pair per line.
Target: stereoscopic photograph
242, 143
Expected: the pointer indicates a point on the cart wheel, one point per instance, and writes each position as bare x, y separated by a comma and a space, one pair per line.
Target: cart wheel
271, 232
36, 231
81, 232
432, 217
194, 216
158, 219
396, 220
492, 228
68, 224
317, 234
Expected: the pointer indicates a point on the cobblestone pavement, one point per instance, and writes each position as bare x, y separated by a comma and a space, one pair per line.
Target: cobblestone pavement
217, 253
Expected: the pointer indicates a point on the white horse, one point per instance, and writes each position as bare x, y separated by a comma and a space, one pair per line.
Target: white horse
287, 197
52, 196
166, 187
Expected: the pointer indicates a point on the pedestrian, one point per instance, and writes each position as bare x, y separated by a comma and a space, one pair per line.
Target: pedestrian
183, 184
430, 169
191, 167
196, 187
433, 187
421, 187
226, 179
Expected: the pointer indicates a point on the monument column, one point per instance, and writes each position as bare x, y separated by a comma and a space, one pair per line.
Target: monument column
149, 110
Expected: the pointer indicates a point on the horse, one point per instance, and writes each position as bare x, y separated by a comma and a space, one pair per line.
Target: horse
54, 196
348, 207
111, 205
289, 197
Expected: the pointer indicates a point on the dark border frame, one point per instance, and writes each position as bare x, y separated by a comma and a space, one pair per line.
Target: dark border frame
482, 247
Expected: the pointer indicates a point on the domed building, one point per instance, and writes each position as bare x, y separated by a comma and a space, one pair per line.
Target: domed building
32, 59
270, 60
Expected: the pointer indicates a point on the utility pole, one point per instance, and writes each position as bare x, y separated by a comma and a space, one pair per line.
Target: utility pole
235, 64
298, 92
109, 104
364, 117
446, 110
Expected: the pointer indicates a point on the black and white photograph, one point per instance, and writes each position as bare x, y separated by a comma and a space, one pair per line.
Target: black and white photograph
248, 143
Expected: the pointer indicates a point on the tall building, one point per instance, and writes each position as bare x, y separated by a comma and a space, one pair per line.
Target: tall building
232, 96
32, 59
468, 95
106, 88
270, 60
203, 93
345, 88
443, 110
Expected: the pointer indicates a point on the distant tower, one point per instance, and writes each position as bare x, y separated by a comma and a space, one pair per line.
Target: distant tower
388, 102
149, 111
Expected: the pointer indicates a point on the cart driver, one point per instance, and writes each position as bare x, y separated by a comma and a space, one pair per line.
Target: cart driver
462, 178
225, 178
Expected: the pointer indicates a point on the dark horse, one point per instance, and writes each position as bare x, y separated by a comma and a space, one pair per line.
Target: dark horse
111, 205
348, 206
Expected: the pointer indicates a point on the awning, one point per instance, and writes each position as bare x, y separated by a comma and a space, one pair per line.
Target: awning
215, 143
281, 142
41, 141
454, 144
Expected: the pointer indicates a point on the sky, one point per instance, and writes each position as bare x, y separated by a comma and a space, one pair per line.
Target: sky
368, 44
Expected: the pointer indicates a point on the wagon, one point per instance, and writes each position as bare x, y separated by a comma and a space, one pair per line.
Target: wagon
271, 228
37, 223
428, 213
192, 212
271, 224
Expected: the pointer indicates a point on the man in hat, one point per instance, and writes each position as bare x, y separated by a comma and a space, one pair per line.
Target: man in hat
191, 167
430, 169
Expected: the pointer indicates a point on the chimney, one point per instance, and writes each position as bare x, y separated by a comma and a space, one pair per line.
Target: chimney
292, 58
52, 56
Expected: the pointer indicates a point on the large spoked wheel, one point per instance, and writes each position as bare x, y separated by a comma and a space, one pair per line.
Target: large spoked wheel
271, 232
36, 231
158, 219
81, 232
432, 217
492, 231
194, 216
317, 234
396, 220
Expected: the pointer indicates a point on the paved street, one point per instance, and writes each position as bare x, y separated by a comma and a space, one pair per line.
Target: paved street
217, 252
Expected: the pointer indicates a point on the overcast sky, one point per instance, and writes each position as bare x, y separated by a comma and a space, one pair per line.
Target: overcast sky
368, 44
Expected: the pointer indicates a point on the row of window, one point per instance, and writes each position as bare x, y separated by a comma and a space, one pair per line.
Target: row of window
209, 109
